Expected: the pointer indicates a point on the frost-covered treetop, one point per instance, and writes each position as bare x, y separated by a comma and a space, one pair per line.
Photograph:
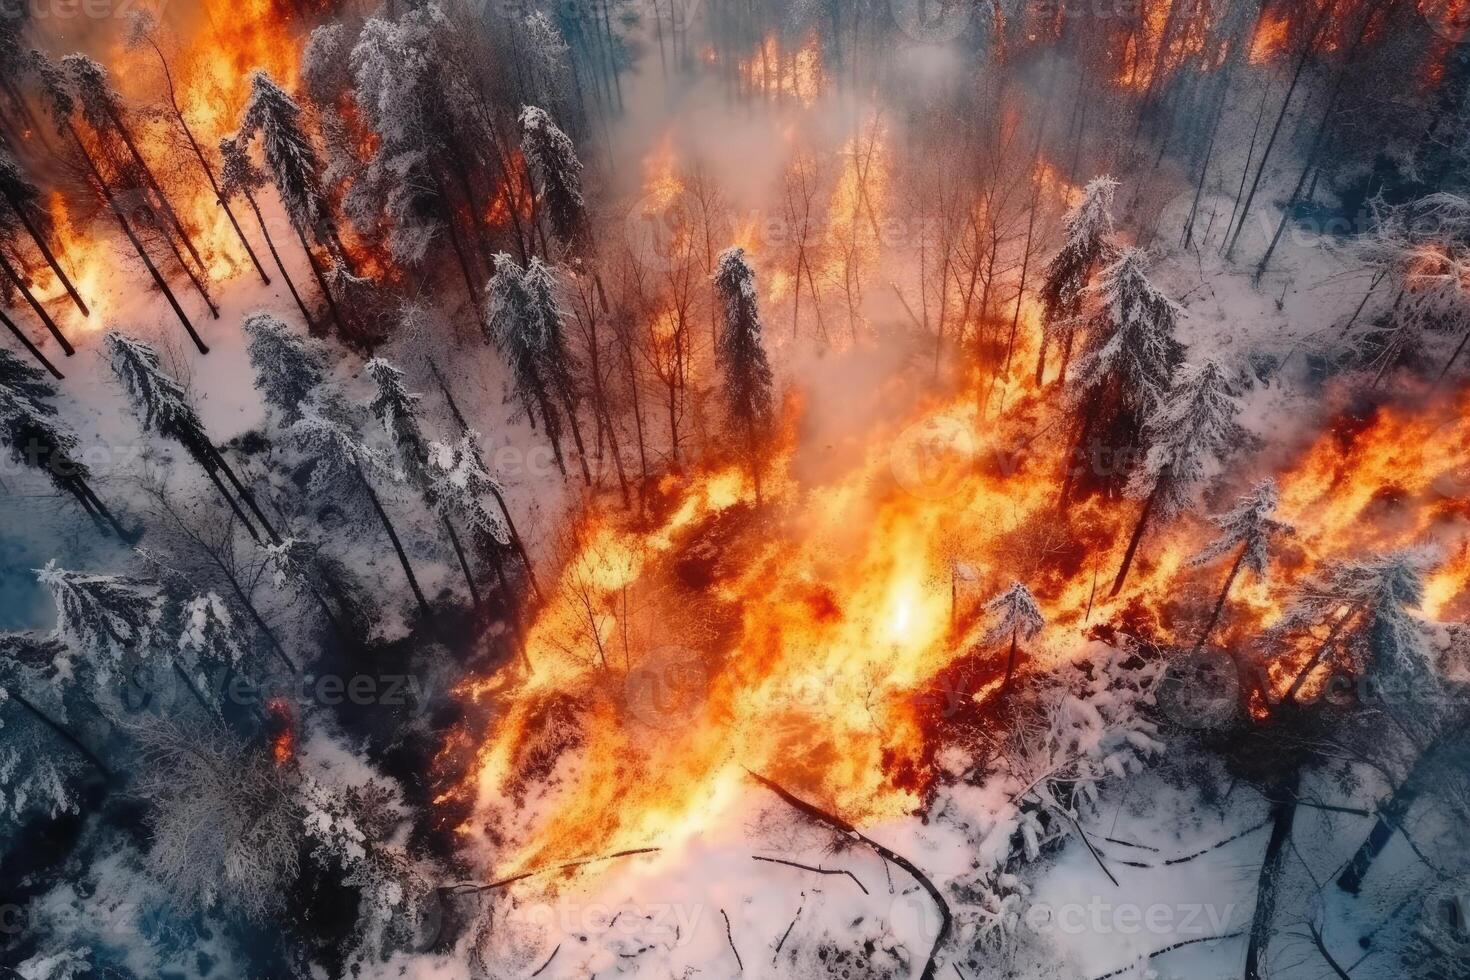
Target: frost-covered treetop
158, 397
397, 409
289, 153
237, 174
1017, 614
90, 79
336, 449
1092, 219
1130, 338
1384, 588
461, 485
509, 324
1250, 524
105, 617
288, 366
22, 386
1194, 424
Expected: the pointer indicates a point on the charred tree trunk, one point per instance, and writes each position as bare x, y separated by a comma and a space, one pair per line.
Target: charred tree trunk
1138, 529
15, 277
1284, 812
1220, 602
30, 347
413, 582
285, 276
46, 253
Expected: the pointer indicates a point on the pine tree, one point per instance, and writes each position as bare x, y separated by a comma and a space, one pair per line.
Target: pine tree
397, 409
1087, 233
559, 365
1128, 359
301, 565
553, 159
210, 637
339, 456
1018, 617
288, 367
30, 428
1252, 526
239, 177
162, 406
748, 382
22, 196
295, 169
514, 331
110, 620
1367, 606
1194, 426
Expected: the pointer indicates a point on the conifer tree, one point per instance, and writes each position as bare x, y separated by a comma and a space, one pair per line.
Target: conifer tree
36, 438
239, 177
1087, 233
518, 335
342, 460
553, 159
1017, 617
288, 367
1194, 426
560, 366
111, 621
397, 409
1251, 526
162, 406
1128, 359
746, 373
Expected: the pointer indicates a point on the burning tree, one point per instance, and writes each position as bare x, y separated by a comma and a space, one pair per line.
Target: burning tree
21, 195
29, 426
747, 374
1251, 526
1194, 426
56, 90
162, 405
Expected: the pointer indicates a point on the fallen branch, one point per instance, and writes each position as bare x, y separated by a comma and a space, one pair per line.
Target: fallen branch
730, 938
475, 888
542, 969
842, 826
1322, 948
1167, 949
808, 867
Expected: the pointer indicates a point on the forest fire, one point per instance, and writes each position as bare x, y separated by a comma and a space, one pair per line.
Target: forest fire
874, 472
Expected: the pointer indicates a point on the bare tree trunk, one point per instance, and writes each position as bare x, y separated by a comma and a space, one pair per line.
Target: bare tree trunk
285, 276
1220, 602
40, 311
47, 254
413, 582
464, 563
1284, 810
1138, 529
32, 348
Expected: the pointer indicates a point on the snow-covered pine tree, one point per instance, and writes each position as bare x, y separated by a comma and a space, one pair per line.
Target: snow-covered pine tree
747, 377
1252, 527
463, 482
210, 643
559, 365
341, 459
397, 409
297, 564
548, 75
1087, 231
1193, 427
162, 406
517, 334
295, 169
553, 160
1017, 617
288, 367
1128, 360
1366, 606
36, 438
240, 178
110, 620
